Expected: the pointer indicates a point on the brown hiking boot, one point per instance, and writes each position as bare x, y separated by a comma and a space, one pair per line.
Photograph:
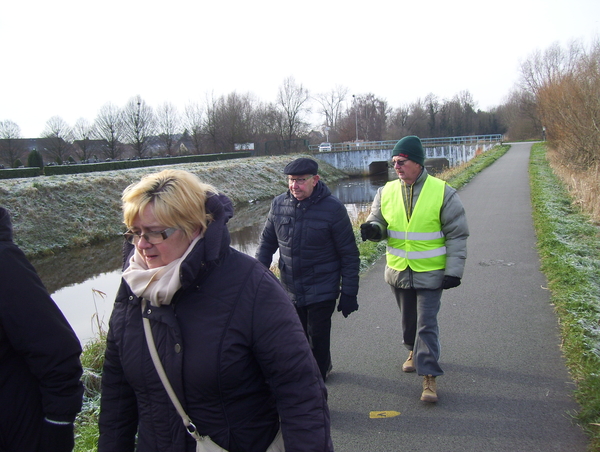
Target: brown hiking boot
429, 389
409, 365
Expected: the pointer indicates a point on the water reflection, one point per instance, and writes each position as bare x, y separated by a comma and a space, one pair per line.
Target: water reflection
75, 277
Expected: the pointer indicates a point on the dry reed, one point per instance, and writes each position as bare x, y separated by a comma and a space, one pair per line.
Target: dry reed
583, 185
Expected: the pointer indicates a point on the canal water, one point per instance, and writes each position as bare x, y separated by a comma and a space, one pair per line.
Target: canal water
84, 282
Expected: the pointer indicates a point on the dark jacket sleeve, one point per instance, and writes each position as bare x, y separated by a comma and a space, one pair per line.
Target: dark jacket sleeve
267, 243
345, 245
36, 329
283, 352
118, 406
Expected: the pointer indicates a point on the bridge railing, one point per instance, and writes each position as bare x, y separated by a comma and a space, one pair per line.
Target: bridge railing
427, 143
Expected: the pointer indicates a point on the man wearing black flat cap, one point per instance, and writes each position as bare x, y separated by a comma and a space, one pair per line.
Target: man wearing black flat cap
317, 254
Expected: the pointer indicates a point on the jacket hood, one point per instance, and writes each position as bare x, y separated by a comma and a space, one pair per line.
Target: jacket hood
208, 251
6, 230
217, 235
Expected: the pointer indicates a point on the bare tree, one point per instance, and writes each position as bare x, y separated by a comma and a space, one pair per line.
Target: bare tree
519, 114
418, 123
139, 125
109, 127
193, 121
11, 148
211, 126
432, 105
236, 115
372, 117
331, 106
167, 125
566, 86
548, 67
266, 126
457, 116
365, 120
57, 137
83, 134
293, 104
398, 123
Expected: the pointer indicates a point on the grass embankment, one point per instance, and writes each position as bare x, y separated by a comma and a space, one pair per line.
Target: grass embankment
92, 358
569, 248
81, 209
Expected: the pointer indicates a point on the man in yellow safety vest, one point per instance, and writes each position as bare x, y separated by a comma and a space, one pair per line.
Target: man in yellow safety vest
426, 229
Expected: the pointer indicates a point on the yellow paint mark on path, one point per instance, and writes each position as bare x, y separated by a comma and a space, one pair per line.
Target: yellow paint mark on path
383, 414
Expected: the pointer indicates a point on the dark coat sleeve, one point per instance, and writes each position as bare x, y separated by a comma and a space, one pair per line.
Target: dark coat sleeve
267, 243
281, 348
36, 329
345, 245
118, 411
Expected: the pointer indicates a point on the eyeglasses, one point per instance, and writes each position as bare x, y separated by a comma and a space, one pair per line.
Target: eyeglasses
299, 180
399, 162
152, 237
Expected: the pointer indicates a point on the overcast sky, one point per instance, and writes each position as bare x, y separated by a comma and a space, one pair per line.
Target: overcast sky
70, 57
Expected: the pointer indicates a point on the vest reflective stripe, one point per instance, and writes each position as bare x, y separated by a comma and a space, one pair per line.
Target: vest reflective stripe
415, 235
441, 251
418, 243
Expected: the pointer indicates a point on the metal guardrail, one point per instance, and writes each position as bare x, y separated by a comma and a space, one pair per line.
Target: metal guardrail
427, 142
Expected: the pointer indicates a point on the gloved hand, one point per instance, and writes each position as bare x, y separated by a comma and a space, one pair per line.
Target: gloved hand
450, 282
368, 231
348, 304
57, 437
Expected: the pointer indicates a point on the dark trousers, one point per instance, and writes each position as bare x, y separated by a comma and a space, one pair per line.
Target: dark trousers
316, 321
420, 333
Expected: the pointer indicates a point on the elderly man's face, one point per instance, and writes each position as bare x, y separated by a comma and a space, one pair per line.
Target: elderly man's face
302, 186
407, 170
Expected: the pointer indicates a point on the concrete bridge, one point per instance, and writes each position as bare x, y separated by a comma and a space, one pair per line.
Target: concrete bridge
373, 157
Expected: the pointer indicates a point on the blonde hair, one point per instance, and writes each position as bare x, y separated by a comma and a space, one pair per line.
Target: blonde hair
178, 197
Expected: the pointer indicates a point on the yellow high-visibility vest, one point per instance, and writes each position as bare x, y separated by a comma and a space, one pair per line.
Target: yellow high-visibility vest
418, 243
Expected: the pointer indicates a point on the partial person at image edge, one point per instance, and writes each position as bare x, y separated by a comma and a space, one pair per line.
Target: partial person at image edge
40, 369
426, 229
318, 257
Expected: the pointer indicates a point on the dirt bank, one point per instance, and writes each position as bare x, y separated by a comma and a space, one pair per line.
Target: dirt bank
56, 212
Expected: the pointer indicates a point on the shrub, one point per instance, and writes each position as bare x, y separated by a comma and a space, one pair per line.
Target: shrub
35, 160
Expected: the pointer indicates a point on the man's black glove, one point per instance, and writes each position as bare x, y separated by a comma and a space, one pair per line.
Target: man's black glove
450, 282
368, 231
57, 437
348, 304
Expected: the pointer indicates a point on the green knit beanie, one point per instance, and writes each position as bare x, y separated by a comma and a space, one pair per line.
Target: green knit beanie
411, 148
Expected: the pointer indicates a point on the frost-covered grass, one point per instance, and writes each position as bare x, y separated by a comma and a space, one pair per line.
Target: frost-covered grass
57, 212
569, 248
460, 175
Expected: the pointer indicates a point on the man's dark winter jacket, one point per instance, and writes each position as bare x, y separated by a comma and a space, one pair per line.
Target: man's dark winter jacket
40, 369
233, 349
316, 246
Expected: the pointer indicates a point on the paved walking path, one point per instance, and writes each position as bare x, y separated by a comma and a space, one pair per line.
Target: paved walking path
505, 388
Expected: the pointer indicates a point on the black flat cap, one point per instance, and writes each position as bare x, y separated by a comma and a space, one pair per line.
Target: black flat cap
301, 166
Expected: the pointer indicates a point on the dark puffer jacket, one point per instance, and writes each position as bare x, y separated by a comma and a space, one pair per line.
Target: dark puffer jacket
233, 349
39, 352
316, 246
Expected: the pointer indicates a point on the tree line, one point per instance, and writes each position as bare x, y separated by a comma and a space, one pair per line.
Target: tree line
218, 124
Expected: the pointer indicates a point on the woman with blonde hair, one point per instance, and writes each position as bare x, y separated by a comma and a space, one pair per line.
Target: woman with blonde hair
227, 335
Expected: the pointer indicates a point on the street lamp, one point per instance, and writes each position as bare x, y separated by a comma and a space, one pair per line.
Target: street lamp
355, 116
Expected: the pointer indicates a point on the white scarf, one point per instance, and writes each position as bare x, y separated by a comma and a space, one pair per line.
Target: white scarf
157, 285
